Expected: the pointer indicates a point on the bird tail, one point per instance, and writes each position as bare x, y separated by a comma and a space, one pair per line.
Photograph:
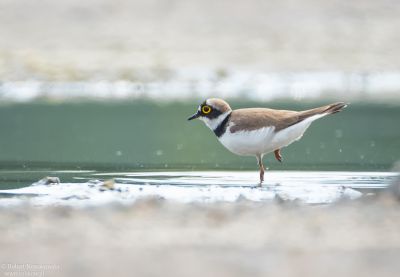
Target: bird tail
324, 110
335, 108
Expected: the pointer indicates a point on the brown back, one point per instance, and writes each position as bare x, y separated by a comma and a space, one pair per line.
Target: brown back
256, 118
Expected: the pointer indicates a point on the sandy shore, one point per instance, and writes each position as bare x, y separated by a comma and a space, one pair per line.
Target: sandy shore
137, 40
156, 238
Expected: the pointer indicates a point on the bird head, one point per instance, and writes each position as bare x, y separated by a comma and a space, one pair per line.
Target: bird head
212, 112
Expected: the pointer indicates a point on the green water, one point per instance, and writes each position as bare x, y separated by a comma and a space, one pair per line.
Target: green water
140, 135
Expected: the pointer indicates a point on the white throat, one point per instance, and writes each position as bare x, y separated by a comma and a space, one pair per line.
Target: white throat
215, 122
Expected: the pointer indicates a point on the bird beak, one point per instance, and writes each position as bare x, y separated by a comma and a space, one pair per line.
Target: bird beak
196, 115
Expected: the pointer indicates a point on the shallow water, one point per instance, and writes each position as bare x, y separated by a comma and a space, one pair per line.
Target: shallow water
150, 150
91, 188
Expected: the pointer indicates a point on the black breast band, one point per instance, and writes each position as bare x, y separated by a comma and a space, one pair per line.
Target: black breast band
221, 128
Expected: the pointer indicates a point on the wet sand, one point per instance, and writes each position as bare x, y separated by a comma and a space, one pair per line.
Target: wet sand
157, 237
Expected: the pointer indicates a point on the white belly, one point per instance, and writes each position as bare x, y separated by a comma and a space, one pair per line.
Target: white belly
265, 140
248, 142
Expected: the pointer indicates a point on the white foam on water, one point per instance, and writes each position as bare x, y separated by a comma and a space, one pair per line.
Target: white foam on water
197, 187
87, 194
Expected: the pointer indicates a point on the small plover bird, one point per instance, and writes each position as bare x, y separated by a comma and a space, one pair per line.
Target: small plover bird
258, 131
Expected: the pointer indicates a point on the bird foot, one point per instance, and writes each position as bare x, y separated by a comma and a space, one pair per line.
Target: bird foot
278, 155
261, 177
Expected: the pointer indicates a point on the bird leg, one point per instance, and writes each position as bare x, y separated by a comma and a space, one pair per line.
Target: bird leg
278, 156
262, 169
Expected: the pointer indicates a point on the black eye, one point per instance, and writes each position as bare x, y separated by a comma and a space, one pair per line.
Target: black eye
206, 109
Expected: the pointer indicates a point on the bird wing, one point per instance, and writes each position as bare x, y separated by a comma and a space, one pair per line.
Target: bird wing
257, 118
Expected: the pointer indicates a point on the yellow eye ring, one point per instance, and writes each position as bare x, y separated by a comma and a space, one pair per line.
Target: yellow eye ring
206, 109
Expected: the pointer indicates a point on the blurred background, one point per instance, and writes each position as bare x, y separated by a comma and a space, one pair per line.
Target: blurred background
110, 83
97, 93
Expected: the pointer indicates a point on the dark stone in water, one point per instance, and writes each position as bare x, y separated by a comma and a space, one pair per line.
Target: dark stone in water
48, 181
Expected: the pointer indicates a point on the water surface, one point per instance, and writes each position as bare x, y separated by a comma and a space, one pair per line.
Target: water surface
87, 188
